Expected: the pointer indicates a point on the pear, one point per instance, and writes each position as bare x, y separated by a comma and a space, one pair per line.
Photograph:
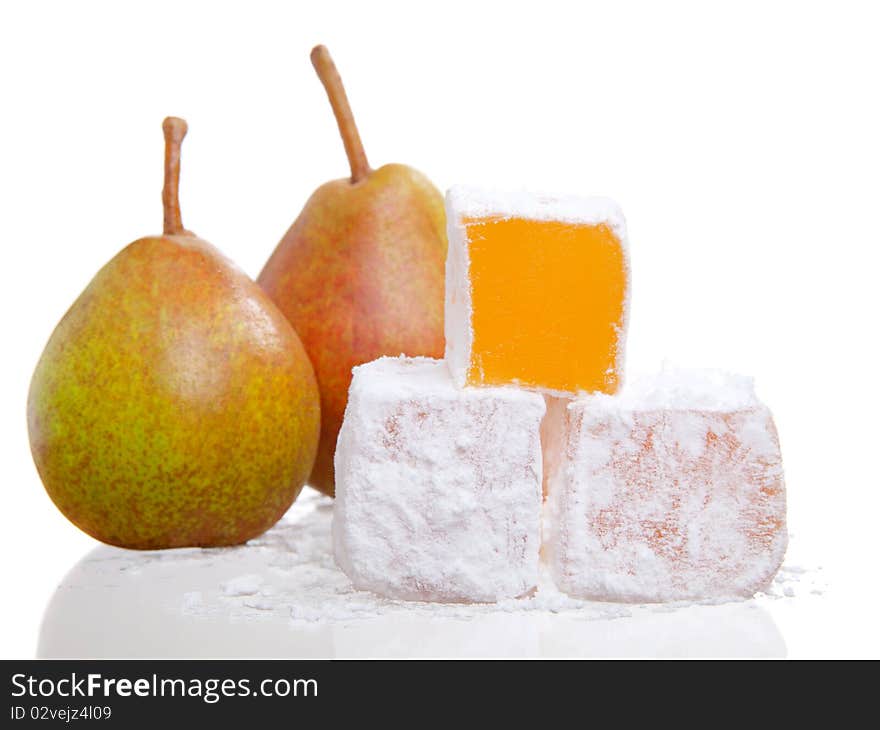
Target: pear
360, 273
174, 405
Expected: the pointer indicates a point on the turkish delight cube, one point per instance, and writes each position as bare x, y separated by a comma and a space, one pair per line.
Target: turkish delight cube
537, 291
672, 490
438, 489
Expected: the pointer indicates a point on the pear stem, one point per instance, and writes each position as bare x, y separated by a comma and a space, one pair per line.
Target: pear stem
354, 148
174, 129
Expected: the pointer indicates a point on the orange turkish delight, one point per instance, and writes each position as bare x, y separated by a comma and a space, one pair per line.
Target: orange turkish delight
537, 291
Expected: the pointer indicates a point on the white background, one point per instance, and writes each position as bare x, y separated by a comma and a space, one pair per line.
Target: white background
742, 141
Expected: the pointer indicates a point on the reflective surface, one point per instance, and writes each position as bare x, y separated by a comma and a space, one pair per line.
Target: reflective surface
281, 596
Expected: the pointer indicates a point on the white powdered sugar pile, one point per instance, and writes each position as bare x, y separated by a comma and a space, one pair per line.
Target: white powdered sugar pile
302, 581
282, 595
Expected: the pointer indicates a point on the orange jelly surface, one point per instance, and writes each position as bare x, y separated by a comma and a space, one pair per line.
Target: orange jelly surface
548, 304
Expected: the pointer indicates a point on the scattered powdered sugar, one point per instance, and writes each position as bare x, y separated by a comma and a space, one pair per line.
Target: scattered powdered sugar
303, 580
173, 603
192, 600
794, 580
259, 604
245, 585
302, 583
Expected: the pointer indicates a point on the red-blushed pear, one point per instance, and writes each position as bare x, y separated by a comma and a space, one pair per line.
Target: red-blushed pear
360, 273
174, 405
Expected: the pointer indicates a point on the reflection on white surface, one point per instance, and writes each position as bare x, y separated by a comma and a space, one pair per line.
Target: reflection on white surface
281, 596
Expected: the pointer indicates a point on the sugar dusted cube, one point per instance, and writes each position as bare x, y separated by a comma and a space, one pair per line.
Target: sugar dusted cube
672, 490
438, 489
537, 291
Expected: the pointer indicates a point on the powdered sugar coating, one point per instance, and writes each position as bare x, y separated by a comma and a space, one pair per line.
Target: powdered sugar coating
468, 202
438, 490
668, 504
679, 389
458, 311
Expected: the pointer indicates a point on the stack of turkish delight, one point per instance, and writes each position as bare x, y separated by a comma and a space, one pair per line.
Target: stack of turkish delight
456, 478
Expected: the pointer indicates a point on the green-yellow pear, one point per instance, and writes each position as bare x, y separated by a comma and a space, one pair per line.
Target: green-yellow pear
360, 273
174, 405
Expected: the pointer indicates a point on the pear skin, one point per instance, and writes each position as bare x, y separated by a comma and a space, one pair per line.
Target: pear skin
174, 405
360, 273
